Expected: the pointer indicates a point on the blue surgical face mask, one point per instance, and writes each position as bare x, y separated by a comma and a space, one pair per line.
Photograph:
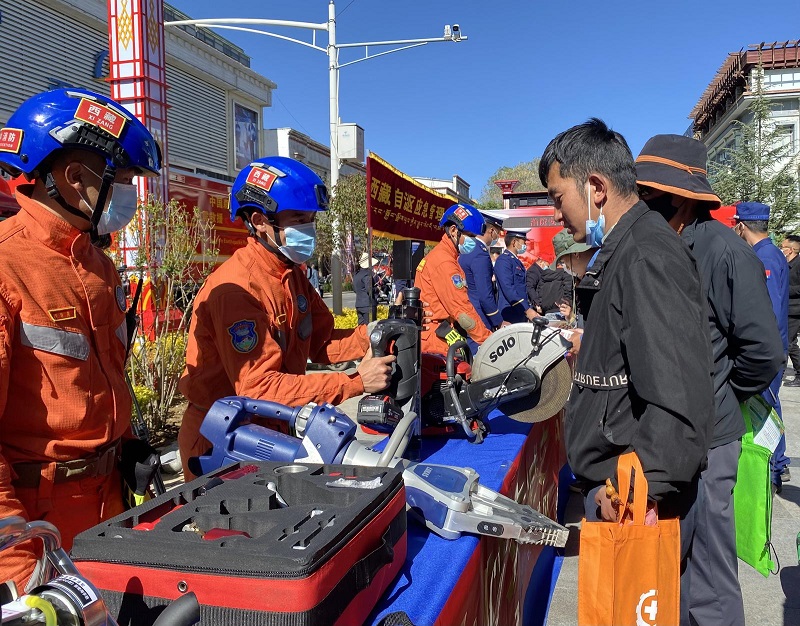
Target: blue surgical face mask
468, 245
494, 242
522, 250
595, 230
121, 209
300, 242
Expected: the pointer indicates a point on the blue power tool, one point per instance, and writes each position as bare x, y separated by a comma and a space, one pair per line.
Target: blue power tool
448, 500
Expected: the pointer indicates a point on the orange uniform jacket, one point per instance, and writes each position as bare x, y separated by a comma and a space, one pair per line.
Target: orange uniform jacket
255, 323
443, 286
62, 387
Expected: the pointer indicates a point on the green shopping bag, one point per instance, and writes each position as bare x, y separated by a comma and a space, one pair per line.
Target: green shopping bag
752, 495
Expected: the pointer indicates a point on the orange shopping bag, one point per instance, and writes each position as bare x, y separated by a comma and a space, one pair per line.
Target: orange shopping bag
629, 573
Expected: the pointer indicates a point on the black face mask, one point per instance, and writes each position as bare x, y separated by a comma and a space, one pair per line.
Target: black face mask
663, 205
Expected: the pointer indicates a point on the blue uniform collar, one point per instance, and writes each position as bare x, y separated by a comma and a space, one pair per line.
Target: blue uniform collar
765, 242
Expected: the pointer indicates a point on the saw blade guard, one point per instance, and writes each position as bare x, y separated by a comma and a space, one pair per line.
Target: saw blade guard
531, 396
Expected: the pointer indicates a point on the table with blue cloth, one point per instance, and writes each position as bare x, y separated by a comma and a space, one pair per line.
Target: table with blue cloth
480, 580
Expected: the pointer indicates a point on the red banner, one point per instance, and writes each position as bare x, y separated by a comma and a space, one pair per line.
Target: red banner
398, 207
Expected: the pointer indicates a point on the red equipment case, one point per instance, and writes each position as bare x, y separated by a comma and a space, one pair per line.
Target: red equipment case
259, 543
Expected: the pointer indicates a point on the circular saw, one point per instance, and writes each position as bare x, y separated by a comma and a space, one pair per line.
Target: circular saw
520, 368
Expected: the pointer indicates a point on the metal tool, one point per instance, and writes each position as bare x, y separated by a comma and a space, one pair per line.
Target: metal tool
464, 505
448, 499
520, 367
58, 595
399, 335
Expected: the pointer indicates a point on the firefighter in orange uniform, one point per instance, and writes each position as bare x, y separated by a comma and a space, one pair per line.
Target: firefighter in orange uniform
443, 286
257, 319
64, 403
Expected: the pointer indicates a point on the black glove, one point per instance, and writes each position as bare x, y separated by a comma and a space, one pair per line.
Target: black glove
138, 465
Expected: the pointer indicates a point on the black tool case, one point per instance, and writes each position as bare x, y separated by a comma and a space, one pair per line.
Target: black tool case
259, 543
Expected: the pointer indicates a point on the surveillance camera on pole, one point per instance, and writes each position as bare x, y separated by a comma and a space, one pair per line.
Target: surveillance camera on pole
456, 36
447, 32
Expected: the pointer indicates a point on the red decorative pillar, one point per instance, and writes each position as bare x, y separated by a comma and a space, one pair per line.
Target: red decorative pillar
138, 75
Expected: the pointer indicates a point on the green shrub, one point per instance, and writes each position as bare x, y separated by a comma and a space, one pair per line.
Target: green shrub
144, 397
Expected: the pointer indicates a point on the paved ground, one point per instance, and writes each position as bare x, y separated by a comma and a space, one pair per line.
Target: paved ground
773, 601
348, 299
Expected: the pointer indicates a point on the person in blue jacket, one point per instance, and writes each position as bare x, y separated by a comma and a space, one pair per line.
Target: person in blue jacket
752, 223
512, 297
477, 266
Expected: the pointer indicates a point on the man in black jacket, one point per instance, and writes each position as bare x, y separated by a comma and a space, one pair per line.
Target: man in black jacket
642, 379
747, 352
366, 290
791, 249
555, 288
533, 275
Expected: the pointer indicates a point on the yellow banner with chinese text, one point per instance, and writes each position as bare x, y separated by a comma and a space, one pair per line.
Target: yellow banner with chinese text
398, 207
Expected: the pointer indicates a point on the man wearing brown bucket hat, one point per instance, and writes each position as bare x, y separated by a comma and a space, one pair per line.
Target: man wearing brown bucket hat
747, 352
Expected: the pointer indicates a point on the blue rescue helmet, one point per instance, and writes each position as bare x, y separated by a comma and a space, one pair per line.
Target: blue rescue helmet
466, 218
272, 184
75, 119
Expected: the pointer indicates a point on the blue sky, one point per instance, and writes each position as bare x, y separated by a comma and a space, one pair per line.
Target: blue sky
529, 70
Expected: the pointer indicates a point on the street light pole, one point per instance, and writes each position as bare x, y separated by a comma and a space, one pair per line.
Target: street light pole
332, 50
333, 79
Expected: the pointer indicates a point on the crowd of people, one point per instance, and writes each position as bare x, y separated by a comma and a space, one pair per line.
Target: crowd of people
679, 317
65, 408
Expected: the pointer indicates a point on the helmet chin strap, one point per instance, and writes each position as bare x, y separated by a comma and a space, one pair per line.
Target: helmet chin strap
109, 173
55, 194
272, 246
457, 239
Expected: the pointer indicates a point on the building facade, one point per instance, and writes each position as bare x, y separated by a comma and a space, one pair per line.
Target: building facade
727, 98
457, 188
291, 143
215, 100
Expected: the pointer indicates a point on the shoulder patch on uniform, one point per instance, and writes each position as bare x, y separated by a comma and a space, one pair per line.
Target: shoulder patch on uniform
120, 293
458, 281
243, 335
421, 265
302, 303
